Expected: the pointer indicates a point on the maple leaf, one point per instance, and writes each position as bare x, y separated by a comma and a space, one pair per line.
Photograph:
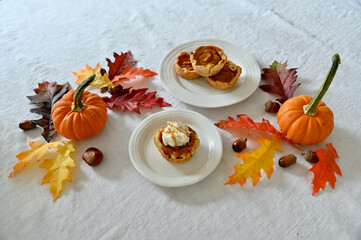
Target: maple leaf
47, 94
280, 81
36, 153
132, 99
247, 122
324, 170
261, 158
129, 74
120, 62
58, 169
101, 79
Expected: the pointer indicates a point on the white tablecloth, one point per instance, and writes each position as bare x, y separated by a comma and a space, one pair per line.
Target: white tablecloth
48, 40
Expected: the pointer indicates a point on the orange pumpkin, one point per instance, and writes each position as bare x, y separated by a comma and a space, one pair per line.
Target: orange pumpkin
308, 120
79, 114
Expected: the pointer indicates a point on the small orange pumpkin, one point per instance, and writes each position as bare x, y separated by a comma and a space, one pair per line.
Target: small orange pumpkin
79, 114
306, 120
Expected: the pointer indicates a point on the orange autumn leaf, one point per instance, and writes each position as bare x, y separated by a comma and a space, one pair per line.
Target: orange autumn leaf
324, 170
245, 121
129, 74
101, 79
260, 158
36, 153
58, 169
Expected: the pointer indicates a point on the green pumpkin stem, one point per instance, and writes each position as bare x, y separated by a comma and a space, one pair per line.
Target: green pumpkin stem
78, 105
311, 108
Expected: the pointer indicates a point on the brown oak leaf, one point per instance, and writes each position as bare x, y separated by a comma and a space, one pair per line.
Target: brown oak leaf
47, 94
280, 81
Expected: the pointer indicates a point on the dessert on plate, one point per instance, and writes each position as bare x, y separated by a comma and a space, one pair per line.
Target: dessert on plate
176, 142
208, 60
184, 68
227, 77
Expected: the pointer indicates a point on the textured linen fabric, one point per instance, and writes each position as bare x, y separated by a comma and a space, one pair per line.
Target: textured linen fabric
48, 40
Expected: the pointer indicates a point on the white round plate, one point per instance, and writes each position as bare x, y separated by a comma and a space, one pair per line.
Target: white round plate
198, 92
150, 163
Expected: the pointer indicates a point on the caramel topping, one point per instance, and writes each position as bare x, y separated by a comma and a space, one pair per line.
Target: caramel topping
228, 72
207, 55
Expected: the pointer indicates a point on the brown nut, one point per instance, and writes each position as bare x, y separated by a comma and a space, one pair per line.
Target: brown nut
115, 89
27, 125
92, 156
287, 161
239, 144
272, 107
310, 156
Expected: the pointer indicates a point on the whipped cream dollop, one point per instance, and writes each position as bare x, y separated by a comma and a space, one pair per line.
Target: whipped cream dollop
175, 134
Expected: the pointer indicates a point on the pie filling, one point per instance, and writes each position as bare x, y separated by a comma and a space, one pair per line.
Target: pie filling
228, 72
207, 55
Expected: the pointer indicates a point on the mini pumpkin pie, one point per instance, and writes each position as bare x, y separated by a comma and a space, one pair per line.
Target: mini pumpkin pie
208, 60
184, 68
227, 77
176, 142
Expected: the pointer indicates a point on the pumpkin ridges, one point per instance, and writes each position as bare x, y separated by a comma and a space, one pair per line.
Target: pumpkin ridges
83, 121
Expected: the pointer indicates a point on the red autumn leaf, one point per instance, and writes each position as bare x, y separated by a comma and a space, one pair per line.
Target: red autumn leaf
324, 170
129, 74
280, 81
120, 62
245, 121
132, 99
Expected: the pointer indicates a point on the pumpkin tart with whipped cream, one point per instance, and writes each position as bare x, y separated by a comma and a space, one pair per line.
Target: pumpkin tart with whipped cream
176, 142
208, 60
227, 77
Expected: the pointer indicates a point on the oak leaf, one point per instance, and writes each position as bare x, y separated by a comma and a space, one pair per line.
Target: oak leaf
47, 94
261, 158
58, 169
120, 62
36, 153
128, 74
101, 79
280, 81
245, 121
132, 99
324, 170
57, 166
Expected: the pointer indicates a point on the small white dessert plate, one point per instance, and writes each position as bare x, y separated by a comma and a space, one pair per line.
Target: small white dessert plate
198, 92
150, 163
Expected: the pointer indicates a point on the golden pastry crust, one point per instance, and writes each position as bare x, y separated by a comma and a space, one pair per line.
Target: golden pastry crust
177, 154
184, 68
227, 77
208, 60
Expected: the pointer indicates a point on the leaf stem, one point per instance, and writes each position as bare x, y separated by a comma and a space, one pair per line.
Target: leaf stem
311, 108
78, 105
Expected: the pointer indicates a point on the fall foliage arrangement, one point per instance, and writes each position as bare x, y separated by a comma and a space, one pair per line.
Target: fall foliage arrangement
302, 119
80, 114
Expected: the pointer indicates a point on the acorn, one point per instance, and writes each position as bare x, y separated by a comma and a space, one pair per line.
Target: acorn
272, 107
287, 161
310, 156
239, 144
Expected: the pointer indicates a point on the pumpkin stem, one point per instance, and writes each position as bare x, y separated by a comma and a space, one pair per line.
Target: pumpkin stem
311, 108
78, 105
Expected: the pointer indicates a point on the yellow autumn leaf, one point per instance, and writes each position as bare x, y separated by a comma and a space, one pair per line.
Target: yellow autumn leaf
36, 153
260, 158
58, 169
100, 80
